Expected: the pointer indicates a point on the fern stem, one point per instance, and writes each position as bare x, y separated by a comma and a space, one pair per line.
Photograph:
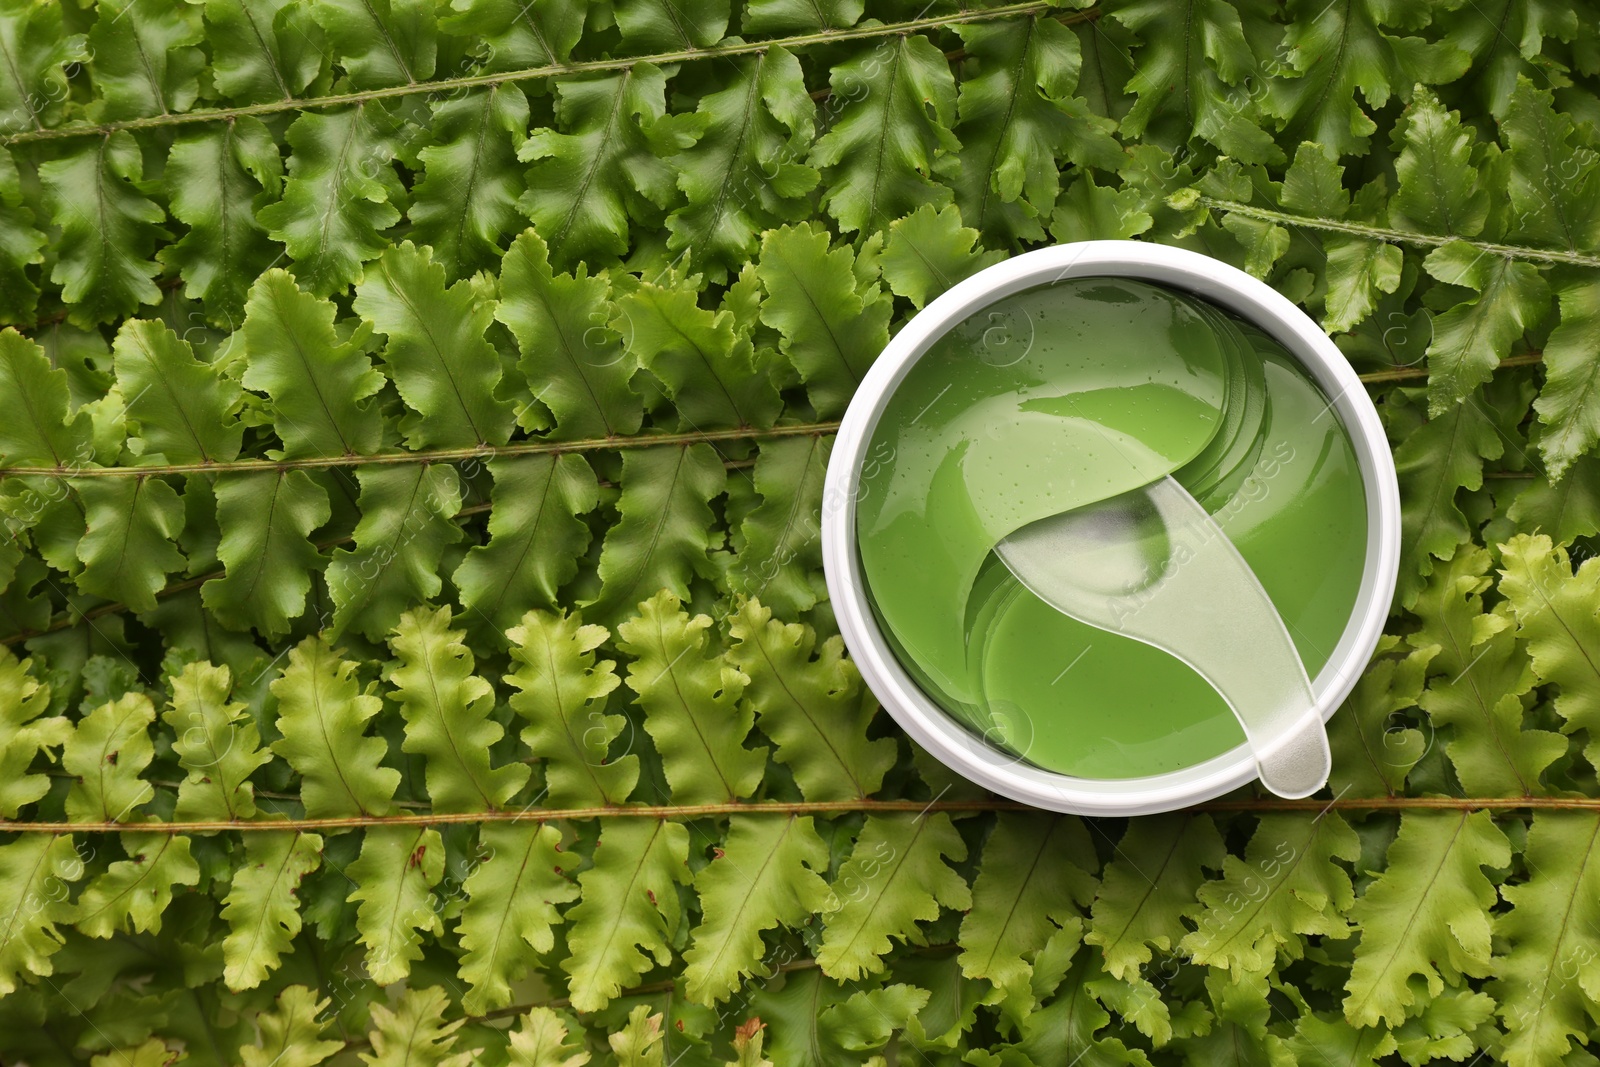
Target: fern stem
1402, 374
1398, 803
530, 814
837, 807
438, 455
1404, 237
533, 448
477, 81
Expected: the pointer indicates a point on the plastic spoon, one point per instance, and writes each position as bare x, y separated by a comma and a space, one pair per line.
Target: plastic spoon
1153, 565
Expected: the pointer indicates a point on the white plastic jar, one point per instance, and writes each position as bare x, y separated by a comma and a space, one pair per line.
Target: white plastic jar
1204, 277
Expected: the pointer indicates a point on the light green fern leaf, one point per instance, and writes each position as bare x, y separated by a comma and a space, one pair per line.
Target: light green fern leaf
394, 878
765, 876
1546, 981
1474, 335
292, 1033
266, 520
216, 742
1019, 119
36, 426
414, 1033
34, 89
105, 755
215, 175
1436, 461
782, 549
690, 698
183, 408
1426, 916
1149, 888
516, 36
1483, 676
1187, 73
447, 709
630, 912
1552, 181
878, 156
638, 1044
703, 359
468, 193
1036, 877
929, 251
144, 58
896, 877
1439, 192
511, 908
561, 690
745, 172
540, 1040
340, 196
152, 1053
1289, 886
811, 703
318, 383
381, 42
1339, 58
35, 871
1569, 403
799, 16
665, 529
572, 359
602, 165
25, 732
831, 323
262, 50
127, 547
322, 716
1556, 615
109, 230
131, 894
1373, 746
21, 244
261, 909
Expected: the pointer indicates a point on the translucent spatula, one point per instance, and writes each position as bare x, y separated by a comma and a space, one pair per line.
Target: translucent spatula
1154, 566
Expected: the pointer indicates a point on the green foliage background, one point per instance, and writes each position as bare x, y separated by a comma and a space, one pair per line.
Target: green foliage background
412, 422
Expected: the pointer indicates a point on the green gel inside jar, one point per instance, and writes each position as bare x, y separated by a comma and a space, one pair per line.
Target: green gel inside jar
1058, 399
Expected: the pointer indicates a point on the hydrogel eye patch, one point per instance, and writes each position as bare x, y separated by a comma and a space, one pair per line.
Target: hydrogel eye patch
1055, 401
